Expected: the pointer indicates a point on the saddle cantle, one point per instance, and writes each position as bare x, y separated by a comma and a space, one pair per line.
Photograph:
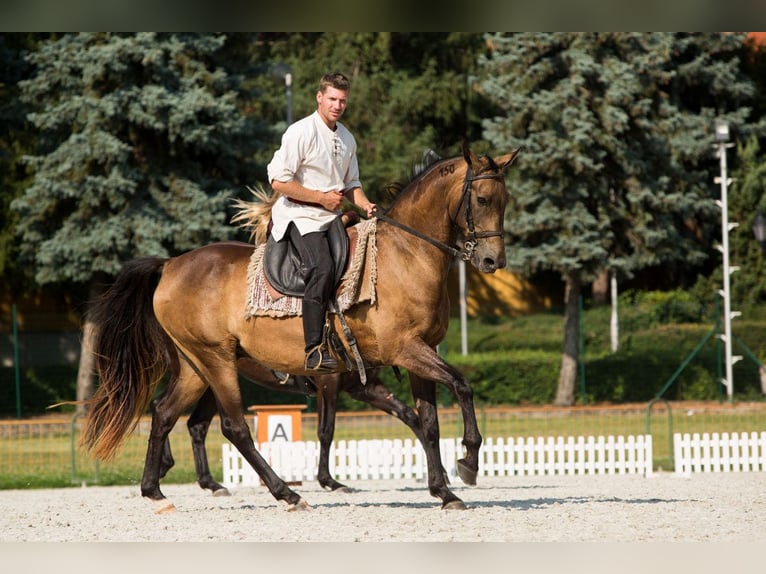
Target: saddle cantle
282, 264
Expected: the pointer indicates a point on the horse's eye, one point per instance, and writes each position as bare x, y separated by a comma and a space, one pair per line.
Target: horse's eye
482, 200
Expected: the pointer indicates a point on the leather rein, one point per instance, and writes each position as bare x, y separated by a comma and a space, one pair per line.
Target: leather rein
471, 241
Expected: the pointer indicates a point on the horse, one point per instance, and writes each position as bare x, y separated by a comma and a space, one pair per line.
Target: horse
196, 301
325, 388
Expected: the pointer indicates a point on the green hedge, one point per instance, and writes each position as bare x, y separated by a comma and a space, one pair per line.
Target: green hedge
517, 361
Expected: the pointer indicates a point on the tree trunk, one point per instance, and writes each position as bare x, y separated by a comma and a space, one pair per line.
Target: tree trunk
565, 394
86, 372
600, 288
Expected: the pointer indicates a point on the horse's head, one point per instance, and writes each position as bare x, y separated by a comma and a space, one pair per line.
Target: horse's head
480, 211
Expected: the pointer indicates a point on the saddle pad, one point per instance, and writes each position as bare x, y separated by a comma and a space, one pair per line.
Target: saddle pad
356, 286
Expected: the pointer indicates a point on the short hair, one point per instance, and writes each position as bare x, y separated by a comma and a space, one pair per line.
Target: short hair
334, 80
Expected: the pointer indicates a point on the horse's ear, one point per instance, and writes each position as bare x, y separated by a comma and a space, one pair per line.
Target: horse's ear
504, 162
471, 158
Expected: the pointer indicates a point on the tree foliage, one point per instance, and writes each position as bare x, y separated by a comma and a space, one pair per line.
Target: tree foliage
16, 139
409, 92
141, 145
617, 134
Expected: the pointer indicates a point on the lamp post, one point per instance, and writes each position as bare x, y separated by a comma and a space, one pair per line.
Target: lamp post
722, 139
282, 72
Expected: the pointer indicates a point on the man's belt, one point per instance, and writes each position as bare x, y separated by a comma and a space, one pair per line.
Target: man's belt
309, 203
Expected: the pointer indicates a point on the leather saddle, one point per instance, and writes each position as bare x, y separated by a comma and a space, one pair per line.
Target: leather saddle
282, 264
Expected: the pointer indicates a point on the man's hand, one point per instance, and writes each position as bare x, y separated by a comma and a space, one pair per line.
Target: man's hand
331, 200
369, 208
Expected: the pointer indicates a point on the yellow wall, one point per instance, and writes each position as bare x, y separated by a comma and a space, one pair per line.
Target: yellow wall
501, 293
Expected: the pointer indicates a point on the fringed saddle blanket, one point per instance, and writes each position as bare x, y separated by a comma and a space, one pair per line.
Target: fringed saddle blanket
357, 284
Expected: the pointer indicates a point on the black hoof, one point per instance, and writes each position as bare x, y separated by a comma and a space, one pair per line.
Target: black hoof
454, 505
335, 486
466, 474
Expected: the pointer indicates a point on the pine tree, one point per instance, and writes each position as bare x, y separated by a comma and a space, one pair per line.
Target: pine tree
616, 168
142, 143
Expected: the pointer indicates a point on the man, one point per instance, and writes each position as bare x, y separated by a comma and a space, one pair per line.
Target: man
313, 170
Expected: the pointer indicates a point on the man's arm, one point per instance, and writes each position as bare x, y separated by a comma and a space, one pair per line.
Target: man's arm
357, 196
330, 200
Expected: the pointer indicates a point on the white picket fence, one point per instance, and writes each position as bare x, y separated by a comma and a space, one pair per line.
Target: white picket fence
735, 452
391, 459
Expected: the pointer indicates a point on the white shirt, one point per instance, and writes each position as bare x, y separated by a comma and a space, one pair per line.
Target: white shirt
317, 158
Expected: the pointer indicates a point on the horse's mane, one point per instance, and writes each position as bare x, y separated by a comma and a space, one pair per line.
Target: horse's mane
428, 161
419, 167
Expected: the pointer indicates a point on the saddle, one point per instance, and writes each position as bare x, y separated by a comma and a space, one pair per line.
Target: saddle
282, 264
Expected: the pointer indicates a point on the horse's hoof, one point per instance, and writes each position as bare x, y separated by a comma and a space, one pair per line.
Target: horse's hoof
164, 506
454, 505
222, 492
341, 488
300, 505
466, 474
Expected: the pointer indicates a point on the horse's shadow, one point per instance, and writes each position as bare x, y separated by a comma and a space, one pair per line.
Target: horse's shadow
518, 504
511, 504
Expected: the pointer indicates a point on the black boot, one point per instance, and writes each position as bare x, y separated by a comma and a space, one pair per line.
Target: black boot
318, 357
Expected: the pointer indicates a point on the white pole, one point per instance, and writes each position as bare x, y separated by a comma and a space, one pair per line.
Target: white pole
727, 271
614, 321
463, 309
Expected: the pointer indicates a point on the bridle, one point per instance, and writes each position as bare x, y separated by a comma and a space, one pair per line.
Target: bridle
472, 238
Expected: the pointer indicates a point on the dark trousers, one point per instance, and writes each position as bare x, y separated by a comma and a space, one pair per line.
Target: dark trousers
316, 258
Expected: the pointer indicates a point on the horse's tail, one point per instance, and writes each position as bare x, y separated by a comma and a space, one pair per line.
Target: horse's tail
255, 215
130, 348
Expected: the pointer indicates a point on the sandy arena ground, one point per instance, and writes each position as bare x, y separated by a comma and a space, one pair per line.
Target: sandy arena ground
708, 523
622, 508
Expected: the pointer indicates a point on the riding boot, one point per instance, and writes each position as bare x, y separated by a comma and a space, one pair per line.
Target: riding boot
318, 357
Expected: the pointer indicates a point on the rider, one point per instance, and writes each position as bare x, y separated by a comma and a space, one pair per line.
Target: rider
313, 170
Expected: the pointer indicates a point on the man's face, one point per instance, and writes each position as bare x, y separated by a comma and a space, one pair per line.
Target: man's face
331, 104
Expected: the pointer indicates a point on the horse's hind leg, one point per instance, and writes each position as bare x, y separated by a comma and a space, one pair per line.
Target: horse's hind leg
198, 425
182, 391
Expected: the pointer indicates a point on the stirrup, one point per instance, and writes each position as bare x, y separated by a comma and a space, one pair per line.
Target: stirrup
319, 359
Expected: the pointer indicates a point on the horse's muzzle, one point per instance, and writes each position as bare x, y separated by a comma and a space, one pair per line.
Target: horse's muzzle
491, 264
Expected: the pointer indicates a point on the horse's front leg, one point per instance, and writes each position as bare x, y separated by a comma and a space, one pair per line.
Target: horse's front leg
424, 393
378, 395
425, 362
222, 375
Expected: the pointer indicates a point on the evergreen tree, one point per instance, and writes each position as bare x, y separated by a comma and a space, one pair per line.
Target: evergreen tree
16, 139
746, 197
617, 161
142, 143
409, 92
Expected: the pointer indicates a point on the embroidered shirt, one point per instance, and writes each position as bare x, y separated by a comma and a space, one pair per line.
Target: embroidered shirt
317, 158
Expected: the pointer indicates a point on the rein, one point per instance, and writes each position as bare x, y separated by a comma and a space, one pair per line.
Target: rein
469, 245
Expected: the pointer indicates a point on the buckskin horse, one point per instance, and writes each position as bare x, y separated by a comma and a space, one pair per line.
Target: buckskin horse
196, 301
